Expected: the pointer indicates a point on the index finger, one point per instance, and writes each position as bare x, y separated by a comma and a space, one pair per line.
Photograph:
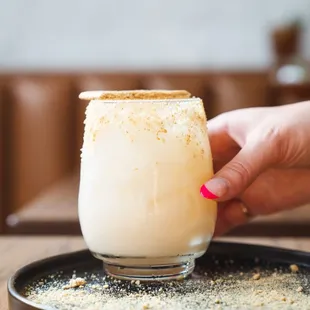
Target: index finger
223, 146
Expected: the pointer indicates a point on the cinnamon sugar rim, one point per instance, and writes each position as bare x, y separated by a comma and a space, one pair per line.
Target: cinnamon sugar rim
135, 95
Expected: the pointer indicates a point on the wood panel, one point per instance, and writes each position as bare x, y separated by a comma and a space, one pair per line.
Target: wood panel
287, 94
5, 175
231, 91
41, 135
54, 211
2, 181
194, 83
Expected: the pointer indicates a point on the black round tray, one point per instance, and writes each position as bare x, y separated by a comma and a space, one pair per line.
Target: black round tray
217, 258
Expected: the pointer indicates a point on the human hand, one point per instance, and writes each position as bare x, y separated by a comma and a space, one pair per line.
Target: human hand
262, 160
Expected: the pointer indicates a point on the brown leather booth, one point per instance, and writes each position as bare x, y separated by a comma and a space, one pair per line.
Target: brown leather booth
41, 136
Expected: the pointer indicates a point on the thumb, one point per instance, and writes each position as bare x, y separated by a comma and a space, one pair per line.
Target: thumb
240, 172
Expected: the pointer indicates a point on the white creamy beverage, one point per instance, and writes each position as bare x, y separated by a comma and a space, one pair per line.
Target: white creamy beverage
142, 165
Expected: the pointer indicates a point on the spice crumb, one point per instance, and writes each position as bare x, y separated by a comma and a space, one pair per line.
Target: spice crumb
294, 268
208, 288
76, 282
256, 276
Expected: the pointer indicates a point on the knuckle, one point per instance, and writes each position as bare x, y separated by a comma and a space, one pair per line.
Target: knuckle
239, 170
273, 141
279, 143
273, 135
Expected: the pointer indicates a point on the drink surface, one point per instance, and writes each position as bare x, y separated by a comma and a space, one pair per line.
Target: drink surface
142, 165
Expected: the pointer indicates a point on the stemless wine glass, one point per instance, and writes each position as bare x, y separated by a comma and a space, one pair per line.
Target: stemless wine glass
142, 164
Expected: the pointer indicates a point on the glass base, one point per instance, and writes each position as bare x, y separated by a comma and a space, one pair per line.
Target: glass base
148, 269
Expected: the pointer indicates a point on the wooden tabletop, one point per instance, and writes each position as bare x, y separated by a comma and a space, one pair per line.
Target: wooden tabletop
19, 250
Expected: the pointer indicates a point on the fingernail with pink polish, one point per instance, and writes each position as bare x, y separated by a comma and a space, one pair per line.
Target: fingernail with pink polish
213, 189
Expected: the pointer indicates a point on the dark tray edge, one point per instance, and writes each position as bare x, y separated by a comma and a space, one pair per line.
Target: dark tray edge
286, 256
14, 296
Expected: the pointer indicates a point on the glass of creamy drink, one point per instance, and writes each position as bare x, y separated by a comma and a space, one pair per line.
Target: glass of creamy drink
144, 158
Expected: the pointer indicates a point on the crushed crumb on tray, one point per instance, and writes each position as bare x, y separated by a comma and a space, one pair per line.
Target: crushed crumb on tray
74, 282
226, 286
294, 268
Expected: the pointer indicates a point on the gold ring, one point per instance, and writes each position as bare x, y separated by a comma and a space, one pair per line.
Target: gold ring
245, 211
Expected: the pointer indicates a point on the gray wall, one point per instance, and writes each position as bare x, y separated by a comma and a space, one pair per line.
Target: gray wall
141, 34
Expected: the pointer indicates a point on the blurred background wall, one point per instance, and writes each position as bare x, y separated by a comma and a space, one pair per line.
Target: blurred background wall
231, 53
136, 34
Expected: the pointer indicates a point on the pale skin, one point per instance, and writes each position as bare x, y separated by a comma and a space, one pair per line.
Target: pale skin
261, 161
